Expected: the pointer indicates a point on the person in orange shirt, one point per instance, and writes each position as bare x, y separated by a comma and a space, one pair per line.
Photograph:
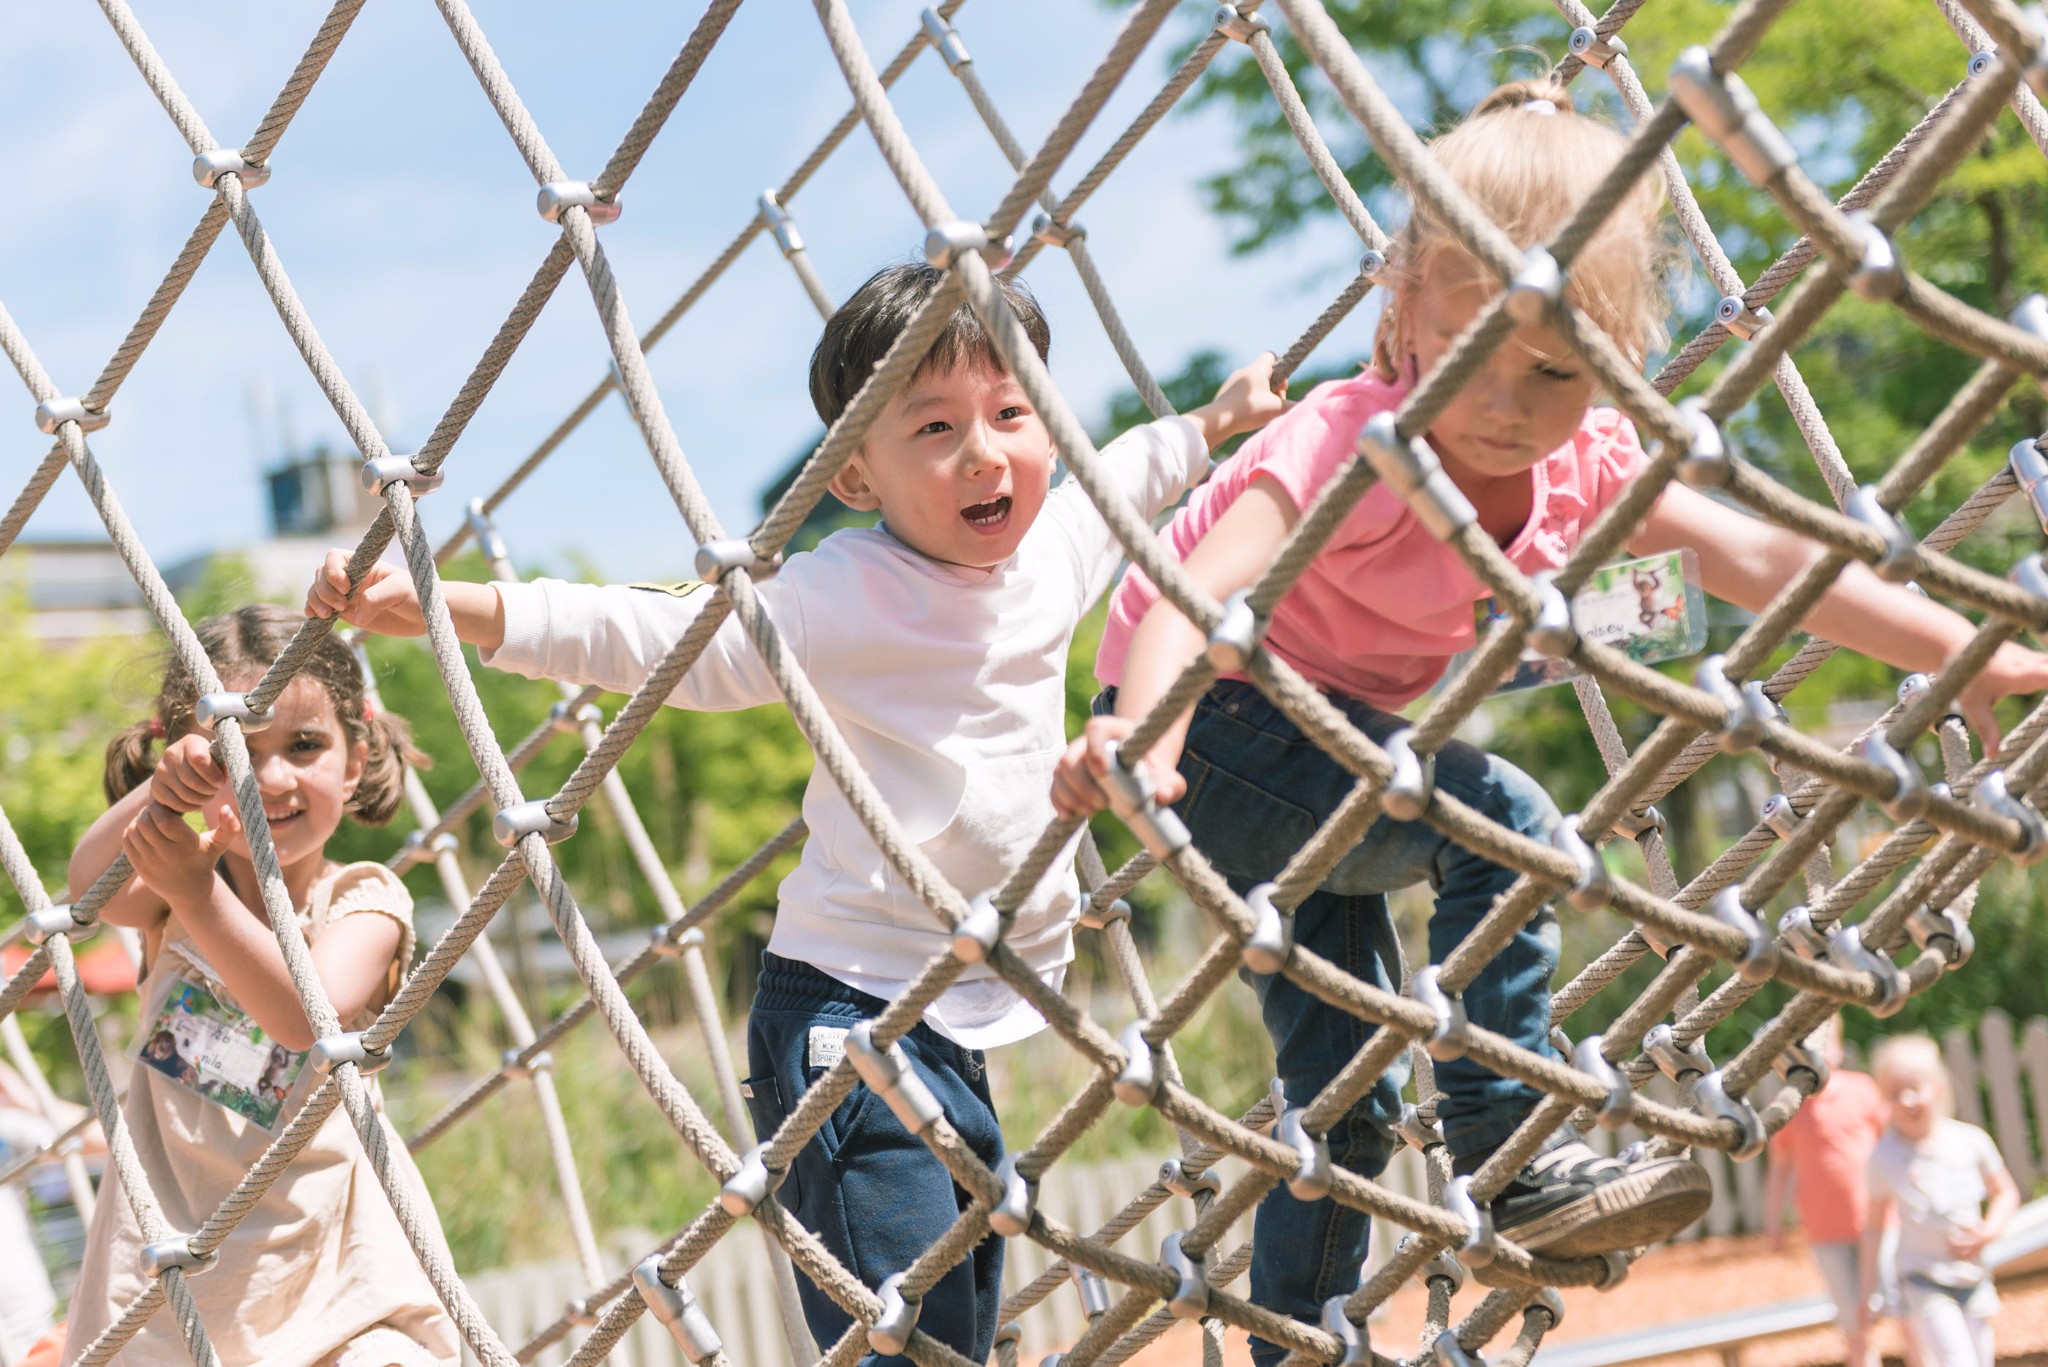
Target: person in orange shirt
1819, 1159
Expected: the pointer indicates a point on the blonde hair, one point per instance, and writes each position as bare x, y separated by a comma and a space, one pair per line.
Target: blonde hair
1527, 170
242, 643
1913, 1053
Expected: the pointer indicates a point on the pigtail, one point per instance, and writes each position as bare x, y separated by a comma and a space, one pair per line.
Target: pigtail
382, 787
129, 761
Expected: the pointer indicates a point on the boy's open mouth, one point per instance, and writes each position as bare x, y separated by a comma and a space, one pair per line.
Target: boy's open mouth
989, 515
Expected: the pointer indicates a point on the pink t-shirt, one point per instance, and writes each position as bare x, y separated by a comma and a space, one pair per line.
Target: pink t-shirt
1828, 1145
1381, 611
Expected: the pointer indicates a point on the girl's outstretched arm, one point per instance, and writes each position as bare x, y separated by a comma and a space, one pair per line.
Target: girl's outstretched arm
1747, 561
1231, 555
137, 905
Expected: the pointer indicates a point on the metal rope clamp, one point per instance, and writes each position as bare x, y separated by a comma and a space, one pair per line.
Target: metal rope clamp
1418, 1134
418, 849
1550, 632
677, 1309
1239, 27
512, 1065
1410, 787
1715, 1102
780, 225
1448, 1352
974, 939
57, 922
1910, 796
1173, 1175
1878, 275
1452, 1034
571, 717
54, 413
1536, 288
1759, 959
1045, 228
754, 1182
1636, 825
672, 938
1550, 1303
1992, 796
1132, 798
1980, 61
1676, 1061
716, 559
1705, 464
1847, 951
1778, 813
1372, 264
485, 531
1479, 1247
1410, 468
1801, 935
945, 243
1735, 314
209, 167
522, 819
888, 1074
1941, 932
1724, 109
945, 41
2030, 575
381, 472
1011, 1216
1311, 1180
2030, 468
897, 1319
1337, 1324
1092, 1288
1105, 917
1746, 712
1266, 950
1011, 1333
559, 195
1190, 1299
1797, 1058
176, 1251
1138, 1082
213, 708
1900, 559
1441, 1267
335, 1050
581, 1312
1236, 636
1592, 887
1589, 47
1619, 1107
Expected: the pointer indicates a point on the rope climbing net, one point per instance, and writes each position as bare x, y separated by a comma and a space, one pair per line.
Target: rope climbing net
1946, 834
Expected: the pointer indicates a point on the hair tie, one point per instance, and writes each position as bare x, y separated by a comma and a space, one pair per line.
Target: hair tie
1539, 106
156, 727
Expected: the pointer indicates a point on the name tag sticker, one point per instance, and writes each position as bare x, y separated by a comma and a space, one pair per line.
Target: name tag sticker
827, 1046
208, 1047
1651, 609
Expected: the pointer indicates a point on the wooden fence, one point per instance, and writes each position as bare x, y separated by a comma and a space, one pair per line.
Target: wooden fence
2001, 1084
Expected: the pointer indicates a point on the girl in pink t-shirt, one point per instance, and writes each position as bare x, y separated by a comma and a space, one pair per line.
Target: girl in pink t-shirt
1374, 621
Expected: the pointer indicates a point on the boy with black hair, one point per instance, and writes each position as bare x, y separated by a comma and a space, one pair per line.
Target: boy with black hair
938, 642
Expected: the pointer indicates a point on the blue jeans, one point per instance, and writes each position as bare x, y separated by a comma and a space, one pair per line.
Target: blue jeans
867, 1187
1257, 790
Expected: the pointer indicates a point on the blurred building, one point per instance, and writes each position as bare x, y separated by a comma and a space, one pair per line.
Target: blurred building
77, 588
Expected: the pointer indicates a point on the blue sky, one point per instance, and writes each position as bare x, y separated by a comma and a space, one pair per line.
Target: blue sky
405, 218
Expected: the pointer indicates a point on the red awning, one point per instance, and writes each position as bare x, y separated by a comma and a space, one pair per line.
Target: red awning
103, 967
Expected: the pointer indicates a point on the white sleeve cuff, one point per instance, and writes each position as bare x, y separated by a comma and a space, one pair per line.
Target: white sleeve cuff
525, 647
1194, 450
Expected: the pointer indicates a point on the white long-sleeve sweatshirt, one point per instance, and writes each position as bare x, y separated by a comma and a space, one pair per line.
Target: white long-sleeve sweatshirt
949, 685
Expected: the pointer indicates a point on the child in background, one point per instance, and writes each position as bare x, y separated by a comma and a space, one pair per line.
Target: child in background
318, 1273
1819, 1160
938, 643
1373, 622
1953, 1196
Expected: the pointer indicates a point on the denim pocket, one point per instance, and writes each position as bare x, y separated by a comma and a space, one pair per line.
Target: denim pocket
1246, 831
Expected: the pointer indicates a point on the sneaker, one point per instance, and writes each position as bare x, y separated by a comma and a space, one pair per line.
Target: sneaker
1571, 1202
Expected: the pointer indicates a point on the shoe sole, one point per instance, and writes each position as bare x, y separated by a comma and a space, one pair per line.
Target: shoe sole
1653, 1201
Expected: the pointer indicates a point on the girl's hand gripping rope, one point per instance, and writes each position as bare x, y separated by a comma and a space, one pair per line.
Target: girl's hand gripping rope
187, 777
175, 860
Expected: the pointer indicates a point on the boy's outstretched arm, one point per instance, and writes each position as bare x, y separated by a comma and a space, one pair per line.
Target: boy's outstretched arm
388, 603
1747, 561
